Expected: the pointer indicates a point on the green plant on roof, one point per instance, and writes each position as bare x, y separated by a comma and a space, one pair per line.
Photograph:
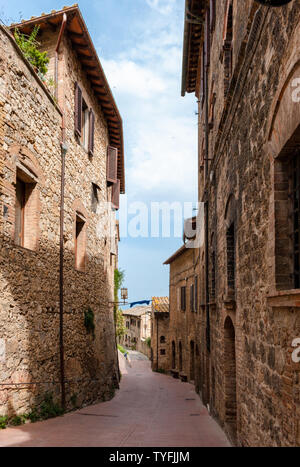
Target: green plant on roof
30, 48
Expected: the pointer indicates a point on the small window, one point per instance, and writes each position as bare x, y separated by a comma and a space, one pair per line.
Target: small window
183, 298
20, 212
26, 211
162, 351
95, 198
162, 340
80, 243
192, 298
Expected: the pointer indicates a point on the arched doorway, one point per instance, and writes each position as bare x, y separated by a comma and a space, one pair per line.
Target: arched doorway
180, 356
173, 356
192, 361
230, 378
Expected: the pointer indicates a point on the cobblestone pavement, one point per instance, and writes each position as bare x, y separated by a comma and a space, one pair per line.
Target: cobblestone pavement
150, 410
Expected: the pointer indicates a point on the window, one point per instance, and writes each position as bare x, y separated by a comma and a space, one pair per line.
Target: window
80, 243
230, 238
212, 15
287, 217
20, 212
227, 45
183, 298
196, 294
26, 209
162, 340
112, 165
95, 198
84, 122
162, 352
192, 298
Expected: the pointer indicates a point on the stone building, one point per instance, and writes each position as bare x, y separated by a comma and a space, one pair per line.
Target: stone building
242, 61
184, 302
137, 321
160, 334
62, 170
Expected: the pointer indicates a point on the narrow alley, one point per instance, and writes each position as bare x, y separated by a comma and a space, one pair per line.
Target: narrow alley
151, 409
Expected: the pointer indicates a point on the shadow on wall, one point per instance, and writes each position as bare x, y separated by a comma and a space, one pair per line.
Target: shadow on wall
29, 319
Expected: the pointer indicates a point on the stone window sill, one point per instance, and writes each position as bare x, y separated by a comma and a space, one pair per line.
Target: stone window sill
284, 298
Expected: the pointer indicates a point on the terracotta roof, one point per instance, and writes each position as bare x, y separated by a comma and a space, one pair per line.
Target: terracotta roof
160, 304
87, 55
137, 311
193, 32
176, 255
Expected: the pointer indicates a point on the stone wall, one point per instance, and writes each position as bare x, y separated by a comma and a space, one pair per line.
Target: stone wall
29, 284
160, 342
182, 330
248, 377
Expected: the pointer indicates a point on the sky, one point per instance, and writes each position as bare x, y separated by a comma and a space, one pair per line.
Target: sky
139, 43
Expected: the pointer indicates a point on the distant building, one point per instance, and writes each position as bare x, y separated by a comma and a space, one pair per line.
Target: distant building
138, 329
160, 334
184, 302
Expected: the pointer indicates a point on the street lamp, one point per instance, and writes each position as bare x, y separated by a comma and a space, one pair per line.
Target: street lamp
124, 295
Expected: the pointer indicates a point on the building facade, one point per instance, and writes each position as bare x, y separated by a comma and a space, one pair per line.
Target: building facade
137, 322
60, 148
160, 323
184, 302
241, 59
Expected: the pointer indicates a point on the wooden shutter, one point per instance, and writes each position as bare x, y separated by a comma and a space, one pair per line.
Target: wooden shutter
112, 165
116, 195
202, 76
212, 15
91, 132
78, 110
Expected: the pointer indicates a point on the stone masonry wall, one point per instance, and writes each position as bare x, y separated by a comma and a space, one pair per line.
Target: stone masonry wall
29, 280
252, 329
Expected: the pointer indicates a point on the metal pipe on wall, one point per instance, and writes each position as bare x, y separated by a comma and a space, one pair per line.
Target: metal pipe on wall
62, 208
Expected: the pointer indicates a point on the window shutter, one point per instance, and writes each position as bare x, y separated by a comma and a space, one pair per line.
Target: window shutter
116, 195
212, 15
91, 133
112, 165
78, 110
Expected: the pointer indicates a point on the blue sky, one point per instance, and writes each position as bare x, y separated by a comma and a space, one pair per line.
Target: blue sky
139, 43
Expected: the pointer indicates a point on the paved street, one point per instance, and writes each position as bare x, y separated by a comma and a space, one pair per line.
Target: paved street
150, 409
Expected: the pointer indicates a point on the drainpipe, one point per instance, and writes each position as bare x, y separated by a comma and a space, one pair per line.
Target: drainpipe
206, 205
62, 205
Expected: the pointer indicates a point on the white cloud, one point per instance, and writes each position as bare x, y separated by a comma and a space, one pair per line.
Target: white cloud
163, 6
131, 78
160, 128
